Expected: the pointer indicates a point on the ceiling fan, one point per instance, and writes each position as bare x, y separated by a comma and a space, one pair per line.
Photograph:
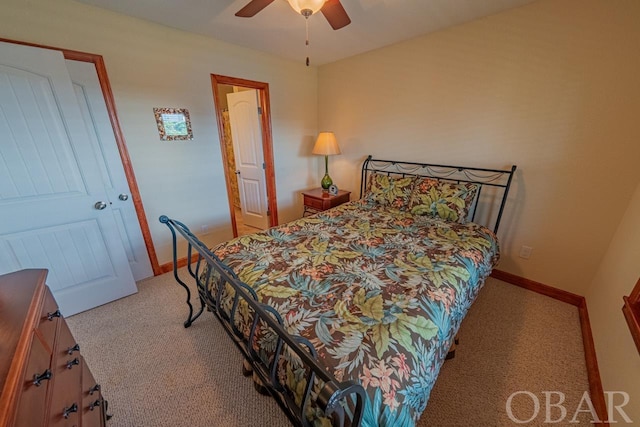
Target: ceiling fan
331, 9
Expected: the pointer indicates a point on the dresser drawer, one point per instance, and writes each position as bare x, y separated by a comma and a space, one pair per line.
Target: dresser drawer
92, 402
65, 398
33, 400
313, 203
49, 317
67, 349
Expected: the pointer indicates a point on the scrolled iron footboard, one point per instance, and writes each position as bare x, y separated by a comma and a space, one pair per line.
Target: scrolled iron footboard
341, 402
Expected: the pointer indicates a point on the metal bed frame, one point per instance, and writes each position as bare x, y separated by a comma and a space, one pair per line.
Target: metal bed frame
341, 402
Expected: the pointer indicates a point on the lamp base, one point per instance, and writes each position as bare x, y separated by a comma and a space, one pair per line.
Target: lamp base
326, 182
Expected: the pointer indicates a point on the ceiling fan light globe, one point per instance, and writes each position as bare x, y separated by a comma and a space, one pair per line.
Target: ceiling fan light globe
304, 5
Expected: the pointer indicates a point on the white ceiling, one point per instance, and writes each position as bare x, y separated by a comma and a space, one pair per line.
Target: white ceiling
279, 30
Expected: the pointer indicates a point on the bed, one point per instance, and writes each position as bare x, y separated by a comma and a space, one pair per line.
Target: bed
345, 317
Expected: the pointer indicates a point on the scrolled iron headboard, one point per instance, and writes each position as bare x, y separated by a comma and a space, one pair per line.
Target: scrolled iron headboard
493, 178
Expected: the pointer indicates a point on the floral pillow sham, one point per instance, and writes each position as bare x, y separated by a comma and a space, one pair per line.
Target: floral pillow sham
447, 200
390, 191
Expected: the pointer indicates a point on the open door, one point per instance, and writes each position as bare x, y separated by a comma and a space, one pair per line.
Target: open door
244, 117
102, 139
54, 210
256, 175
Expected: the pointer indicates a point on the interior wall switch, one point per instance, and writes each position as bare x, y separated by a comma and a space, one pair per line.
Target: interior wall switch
525, 252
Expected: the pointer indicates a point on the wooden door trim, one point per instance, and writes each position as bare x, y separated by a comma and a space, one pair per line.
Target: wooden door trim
103, 78
631, 310
267, 142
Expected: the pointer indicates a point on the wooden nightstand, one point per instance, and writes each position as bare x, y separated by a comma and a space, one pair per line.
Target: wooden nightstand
317, 201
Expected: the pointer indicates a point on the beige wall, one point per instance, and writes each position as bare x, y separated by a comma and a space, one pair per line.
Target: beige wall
155, 66
551, 86
619, 271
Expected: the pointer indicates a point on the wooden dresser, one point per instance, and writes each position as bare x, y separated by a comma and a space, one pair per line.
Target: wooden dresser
44, 380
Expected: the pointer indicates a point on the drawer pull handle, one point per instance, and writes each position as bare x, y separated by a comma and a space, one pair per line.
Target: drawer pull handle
38, 378
70, 363
76, 347
93, 405
51, 316
68, 411
94, 389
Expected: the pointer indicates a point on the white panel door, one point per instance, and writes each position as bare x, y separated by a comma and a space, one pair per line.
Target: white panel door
96, 117
246, 133
50, 185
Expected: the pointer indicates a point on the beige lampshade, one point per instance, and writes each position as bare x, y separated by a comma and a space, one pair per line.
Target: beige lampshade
326, 144
312, 5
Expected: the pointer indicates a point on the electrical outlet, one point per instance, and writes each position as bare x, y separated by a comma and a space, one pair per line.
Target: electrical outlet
525, 252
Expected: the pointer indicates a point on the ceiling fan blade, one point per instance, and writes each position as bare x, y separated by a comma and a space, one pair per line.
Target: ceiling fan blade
253, 7
335, 14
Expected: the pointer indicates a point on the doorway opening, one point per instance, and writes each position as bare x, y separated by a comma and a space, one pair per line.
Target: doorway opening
244, 126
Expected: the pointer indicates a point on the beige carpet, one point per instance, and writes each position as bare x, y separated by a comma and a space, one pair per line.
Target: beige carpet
154, 372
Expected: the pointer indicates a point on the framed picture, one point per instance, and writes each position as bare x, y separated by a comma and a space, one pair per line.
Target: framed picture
174, 124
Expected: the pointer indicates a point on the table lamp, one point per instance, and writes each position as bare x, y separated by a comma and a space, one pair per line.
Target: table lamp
326, 145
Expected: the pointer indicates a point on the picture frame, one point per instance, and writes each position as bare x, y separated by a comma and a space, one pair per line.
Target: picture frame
174, 124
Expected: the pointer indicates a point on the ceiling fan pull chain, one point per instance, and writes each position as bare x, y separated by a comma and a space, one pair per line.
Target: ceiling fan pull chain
306, 22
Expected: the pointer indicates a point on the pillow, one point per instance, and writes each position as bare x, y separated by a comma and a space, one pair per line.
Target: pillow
389, 190
447, 200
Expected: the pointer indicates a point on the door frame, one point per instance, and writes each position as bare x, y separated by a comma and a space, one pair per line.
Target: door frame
267, 143
103, 78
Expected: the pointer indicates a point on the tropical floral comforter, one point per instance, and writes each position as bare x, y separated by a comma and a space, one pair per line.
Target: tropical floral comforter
378, 291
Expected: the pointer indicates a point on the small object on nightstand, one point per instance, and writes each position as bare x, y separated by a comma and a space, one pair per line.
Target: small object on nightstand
318, 200
333, 190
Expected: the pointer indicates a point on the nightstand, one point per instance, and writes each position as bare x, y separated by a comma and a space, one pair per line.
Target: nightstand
317, 201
